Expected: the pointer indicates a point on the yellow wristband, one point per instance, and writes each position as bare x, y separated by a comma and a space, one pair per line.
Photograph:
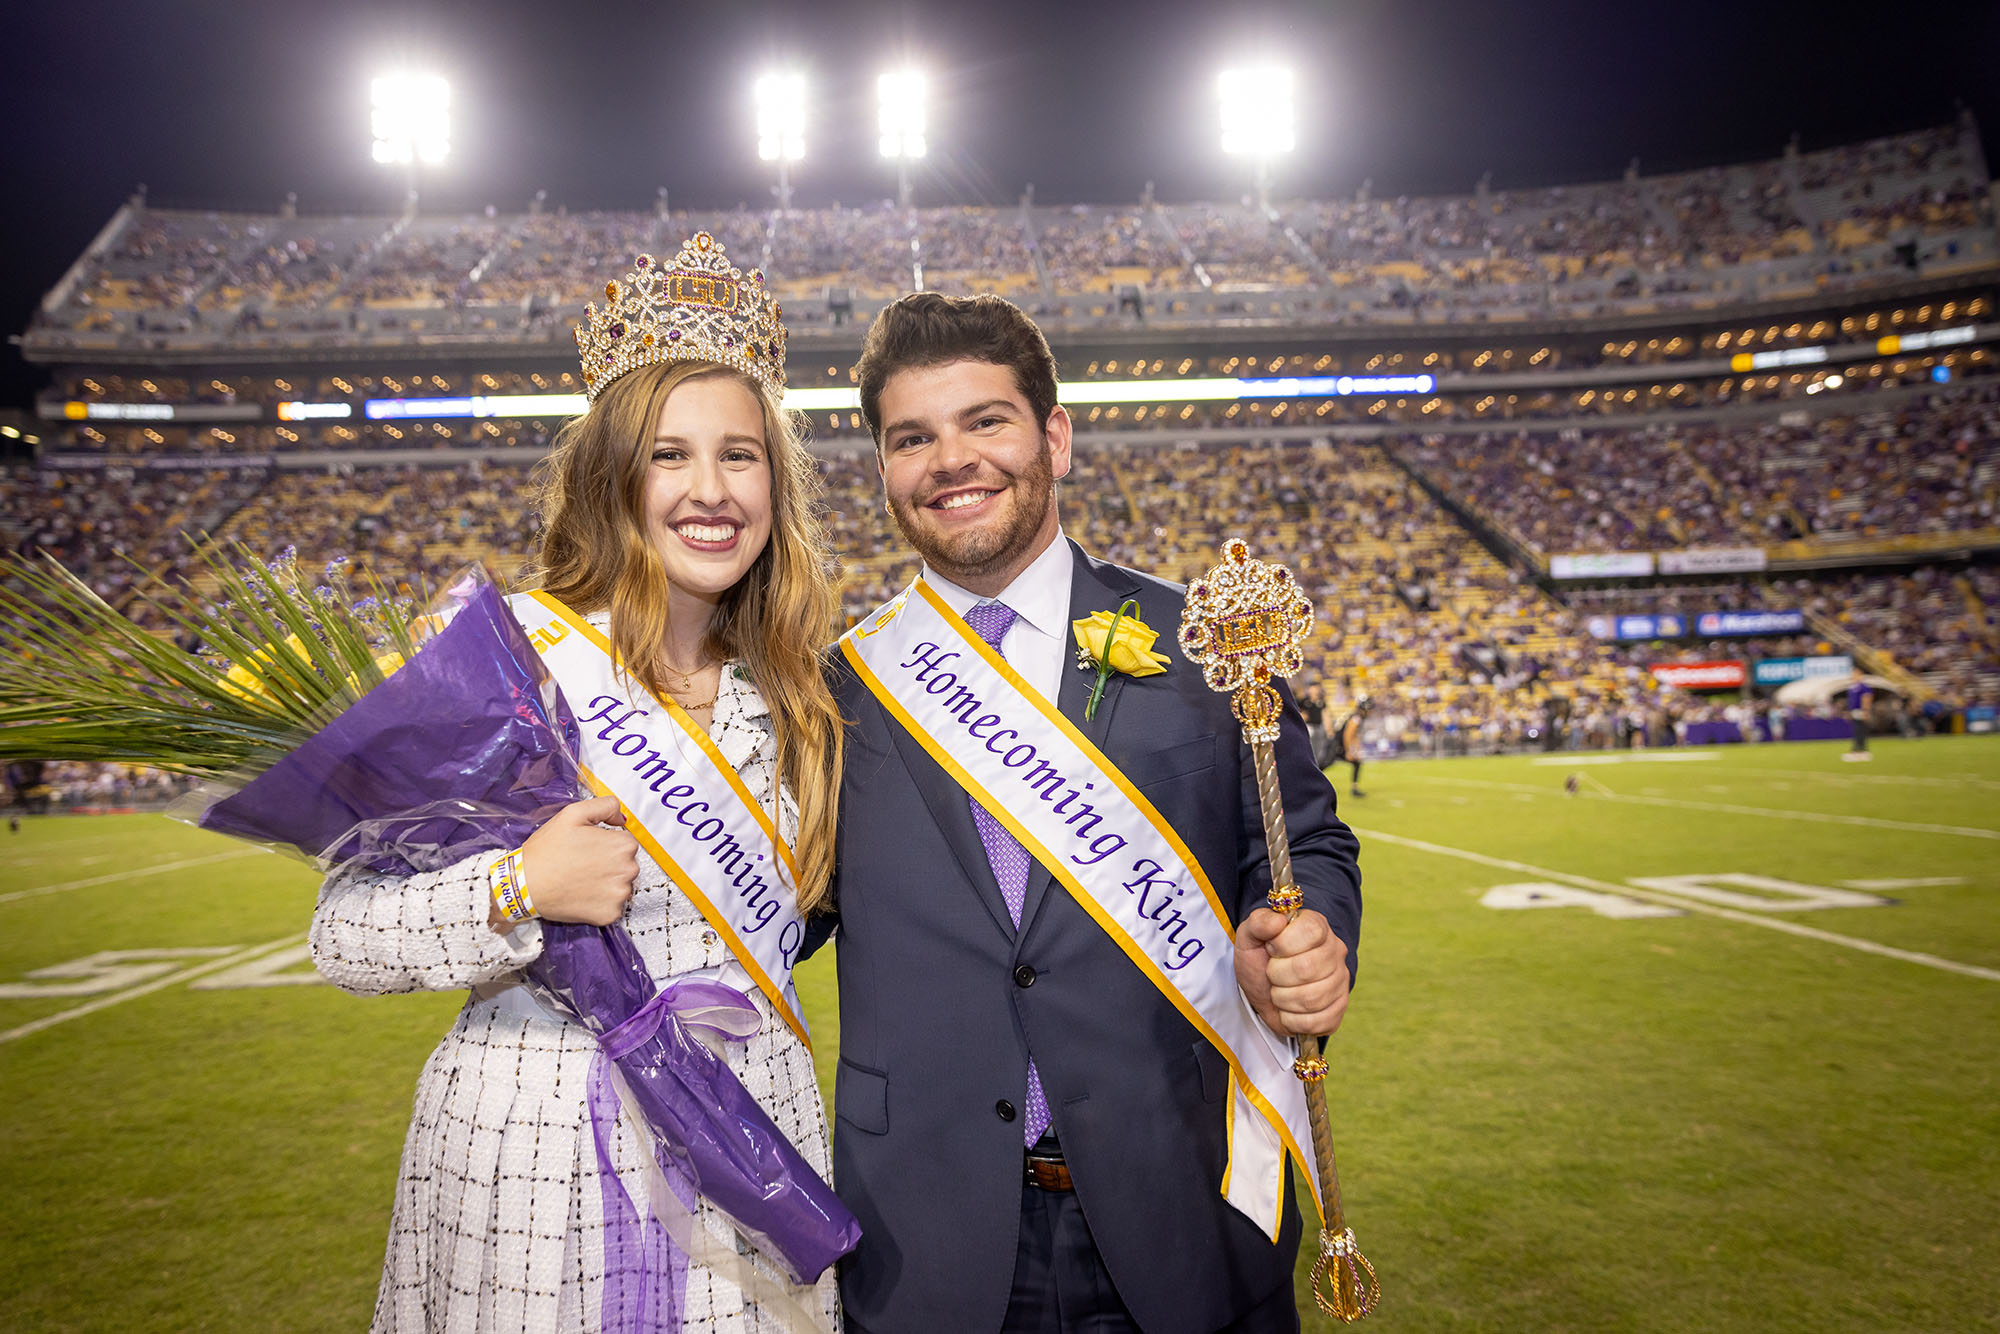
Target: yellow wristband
504, 877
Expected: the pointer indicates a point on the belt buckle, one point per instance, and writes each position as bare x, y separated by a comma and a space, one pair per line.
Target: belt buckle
1051, 1174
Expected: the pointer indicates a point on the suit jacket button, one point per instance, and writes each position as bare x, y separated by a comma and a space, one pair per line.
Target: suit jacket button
1024, 976
1004, 1110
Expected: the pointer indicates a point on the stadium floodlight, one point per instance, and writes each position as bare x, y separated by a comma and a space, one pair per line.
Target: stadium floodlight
900, 101
410, 115
781, 117
781, 126
1259, 116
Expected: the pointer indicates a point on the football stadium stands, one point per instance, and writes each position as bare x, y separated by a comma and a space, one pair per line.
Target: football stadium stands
1799, 226
1523, 447
1927, 465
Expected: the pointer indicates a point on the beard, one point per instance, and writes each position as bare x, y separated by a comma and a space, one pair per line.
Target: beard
975, 552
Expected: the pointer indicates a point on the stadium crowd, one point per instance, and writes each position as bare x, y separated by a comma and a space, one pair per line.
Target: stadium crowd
1931, 465
115, 527
1455, 650
1822, 219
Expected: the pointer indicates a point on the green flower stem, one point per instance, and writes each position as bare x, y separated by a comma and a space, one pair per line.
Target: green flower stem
79, 680
1104, 668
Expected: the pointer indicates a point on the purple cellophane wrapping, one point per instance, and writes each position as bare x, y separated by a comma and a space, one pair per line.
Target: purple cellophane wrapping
455, 752
469, 746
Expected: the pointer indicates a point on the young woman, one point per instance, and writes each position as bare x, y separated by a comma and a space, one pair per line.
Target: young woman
680, 537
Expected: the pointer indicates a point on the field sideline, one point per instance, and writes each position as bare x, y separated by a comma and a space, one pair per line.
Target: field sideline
1708, 1045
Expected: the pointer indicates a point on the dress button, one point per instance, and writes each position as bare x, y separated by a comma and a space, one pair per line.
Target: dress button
1004, 1110
1024, 976
709, 938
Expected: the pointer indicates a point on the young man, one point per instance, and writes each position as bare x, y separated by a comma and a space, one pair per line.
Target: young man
1032, 1127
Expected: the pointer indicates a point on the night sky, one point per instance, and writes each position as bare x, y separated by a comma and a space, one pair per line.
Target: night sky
230, 105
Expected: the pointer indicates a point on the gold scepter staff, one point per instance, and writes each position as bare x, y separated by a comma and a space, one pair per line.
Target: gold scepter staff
1245, 622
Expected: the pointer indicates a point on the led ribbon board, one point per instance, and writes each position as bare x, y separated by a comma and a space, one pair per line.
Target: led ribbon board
838, 398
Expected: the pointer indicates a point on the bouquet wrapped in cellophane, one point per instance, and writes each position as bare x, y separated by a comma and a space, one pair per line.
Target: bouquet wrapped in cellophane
353, 734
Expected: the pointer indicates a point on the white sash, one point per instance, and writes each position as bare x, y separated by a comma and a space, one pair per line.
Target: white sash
683, 801
1084, 821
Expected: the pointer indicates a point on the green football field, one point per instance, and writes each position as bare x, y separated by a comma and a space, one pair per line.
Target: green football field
1712, 1044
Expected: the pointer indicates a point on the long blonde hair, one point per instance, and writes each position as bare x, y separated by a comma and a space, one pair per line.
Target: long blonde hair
595, 556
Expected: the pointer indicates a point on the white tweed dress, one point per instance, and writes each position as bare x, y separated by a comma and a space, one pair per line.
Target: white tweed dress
498, 1222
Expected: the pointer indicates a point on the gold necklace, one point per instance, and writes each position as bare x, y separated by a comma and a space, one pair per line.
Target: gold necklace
687, 685
687, 677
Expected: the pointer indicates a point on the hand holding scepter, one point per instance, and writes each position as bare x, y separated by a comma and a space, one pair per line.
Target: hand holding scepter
1245, 622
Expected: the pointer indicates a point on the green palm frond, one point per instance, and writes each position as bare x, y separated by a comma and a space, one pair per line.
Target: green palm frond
79, 680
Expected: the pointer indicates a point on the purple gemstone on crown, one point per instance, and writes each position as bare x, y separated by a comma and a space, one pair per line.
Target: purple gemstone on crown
728, 341
643, 262
610, 358
673, 335
617, 329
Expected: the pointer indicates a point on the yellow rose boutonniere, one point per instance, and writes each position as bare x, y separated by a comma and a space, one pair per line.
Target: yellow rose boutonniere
1115, 641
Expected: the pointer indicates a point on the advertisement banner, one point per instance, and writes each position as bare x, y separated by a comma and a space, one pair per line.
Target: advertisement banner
1700, 675
155, 462
1664, 626
1602, 565
1712, 560
1717, 624
1780, 671
78, 411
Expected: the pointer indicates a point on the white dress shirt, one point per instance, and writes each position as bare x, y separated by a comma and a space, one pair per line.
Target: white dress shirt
1037, 644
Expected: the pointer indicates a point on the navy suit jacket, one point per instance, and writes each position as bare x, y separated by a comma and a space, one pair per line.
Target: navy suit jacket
942, 1001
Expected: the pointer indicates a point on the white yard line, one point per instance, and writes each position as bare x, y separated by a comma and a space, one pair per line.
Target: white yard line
1690, 905
1907, 882
130, 874
1727, 808
1907, 780
241, 956
1625, 757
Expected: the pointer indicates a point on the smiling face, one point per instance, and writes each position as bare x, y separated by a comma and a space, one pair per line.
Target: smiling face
969, 472
707, 502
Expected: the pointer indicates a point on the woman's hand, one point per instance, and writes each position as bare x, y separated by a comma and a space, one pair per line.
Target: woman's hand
577, 871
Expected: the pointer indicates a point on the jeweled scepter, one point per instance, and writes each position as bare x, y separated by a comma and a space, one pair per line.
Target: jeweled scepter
1245, 622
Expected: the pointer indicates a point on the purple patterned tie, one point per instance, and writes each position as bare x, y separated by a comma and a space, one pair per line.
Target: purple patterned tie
1010, 861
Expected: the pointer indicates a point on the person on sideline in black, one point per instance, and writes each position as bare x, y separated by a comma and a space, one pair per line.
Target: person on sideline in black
1312, 707
1347, 741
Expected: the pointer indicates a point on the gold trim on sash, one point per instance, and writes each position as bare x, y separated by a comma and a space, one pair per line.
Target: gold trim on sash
674, 870
1055, 865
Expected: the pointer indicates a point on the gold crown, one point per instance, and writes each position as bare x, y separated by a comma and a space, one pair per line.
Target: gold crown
698, 308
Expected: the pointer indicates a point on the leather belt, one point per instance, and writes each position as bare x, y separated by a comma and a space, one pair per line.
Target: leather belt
1048, 1172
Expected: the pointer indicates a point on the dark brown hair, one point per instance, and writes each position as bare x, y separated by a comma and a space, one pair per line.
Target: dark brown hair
595, 556
930, 329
